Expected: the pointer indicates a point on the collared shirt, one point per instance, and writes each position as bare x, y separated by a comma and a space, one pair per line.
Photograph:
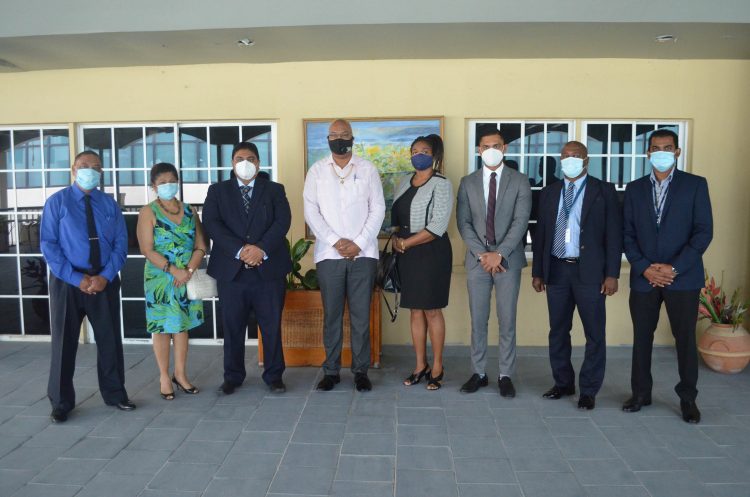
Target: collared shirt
659, 196
65, 237
344, 203
251, 184
486, 173
572, 247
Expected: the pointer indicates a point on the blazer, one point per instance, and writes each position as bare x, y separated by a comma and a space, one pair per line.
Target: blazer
683, 236
432, 204
511, 216
600, 239
230, 229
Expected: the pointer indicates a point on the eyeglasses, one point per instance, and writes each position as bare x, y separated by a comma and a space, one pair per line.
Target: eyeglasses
343, 136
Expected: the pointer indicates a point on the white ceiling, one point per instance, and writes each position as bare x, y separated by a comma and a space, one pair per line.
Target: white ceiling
49, 34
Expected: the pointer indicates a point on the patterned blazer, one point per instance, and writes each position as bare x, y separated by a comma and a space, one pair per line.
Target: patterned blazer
432, 204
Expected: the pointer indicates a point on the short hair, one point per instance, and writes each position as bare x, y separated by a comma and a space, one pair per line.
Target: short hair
342, 121
488, 131
162, 168
661, 133
246, 146
436, 144
86, 152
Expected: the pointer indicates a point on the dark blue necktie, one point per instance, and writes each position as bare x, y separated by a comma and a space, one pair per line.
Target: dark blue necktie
246, 192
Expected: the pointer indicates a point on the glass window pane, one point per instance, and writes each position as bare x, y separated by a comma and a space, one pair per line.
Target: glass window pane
596, 138
134, 319
194, 176
34, 276
620, 170
131, 277
193, 147
131, 225
261, 137
129, 146
57, 178
5, 158
622, 139
11, 312
56, 148
28, 233
27, 150
100, 141
534, 140
512, 135
7, 237
29, 191
642, 167
159, 145
598, 167
642, 132
557, 136
7, 192
223, 139
36, 316
8, 276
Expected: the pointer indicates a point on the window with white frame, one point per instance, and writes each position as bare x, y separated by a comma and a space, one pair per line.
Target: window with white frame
202, 154
534, 148
34, 164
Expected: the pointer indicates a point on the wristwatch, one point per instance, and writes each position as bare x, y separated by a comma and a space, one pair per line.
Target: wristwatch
190, 270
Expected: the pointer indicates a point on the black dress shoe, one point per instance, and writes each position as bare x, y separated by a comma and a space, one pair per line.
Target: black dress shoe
506, 387
277, 386
474, 383
328, 382
634, 404
690, 412
59, 415
362, 382
227, 388
556, 392
586, 402
125, 405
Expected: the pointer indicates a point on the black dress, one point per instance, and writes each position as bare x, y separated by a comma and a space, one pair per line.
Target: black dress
425, 269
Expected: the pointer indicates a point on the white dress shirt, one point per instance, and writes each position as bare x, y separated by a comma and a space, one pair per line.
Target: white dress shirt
344, 203
486, 172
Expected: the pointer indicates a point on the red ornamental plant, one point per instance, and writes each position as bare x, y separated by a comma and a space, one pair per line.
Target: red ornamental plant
714, 305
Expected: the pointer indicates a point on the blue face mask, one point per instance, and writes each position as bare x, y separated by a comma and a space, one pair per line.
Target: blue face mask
572, 167
88, 178
662, 161
421, 161
167, 191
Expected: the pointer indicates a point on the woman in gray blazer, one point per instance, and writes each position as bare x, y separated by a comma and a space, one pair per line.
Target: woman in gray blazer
421, 209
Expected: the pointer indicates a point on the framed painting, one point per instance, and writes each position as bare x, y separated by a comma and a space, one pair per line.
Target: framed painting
384, 141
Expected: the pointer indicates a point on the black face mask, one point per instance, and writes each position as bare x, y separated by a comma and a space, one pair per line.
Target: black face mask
340, 146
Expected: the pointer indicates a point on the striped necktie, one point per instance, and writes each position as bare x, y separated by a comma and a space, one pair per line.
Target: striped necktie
558, 246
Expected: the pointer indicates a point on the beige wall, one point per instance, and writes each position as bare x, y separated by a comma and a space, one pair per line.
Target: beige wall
712, 95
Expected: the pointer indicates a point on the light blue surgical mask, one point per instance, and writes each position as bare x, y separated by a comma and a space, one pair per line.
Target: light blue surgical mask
167, 191
88, 178
572, 167
662, 161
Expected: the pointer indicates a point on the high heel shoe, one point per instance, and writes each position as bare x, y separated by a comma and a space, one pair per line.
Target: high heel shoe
413, 379
167, 396
433, 382
192, 390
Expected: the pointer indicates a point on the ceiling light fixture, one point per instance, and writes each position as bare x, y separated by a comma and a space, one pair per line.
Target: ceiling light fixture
245, 42
665, 39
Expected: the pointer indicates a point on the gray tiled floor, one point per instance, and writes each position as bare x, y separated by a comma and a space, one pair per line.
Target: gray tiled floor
393, 441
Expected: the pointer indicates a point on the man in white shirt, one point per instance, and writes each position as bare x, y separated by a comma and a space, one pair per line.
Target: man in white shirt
344, 208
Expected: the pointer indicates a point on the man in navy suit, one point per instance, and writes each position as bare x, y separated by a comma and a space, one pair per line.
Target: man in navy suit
577, 257
247, 217
667, 227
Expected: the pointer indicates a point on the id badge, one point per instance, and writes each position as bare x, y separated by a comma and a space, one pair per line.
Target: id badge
567, 235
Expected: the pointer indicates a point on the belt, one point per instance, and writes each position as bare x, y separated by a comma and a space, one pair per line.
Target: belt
569, 260
90, 272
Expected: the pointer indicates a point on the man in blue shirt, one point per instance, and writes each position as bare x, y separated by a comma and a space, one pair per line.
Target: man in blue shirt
577, 258
84, 241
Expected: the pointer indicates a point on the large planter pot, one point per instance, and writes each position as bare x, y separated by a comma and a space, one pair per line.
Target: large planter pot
724, 348
302, 330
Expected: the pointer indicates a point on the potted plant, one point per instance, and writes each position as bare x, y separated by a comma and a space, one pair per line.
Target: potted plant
302, 320
725, 344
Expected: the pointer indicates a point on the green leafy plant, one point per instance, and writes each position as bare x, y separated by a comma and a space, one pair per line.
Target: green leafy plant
716, 307
295, 280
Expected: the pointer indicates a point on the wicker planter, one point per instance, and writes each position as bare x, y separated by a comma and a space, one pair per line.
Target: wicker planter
302, 330
725, 349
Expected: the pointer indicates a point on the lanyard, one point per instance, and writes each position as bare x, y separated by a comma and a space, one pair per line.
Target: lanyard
578, 194
659, 200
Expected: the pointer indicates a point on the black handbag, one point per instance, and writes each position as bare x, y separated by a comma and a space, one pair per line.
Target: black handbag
387, 278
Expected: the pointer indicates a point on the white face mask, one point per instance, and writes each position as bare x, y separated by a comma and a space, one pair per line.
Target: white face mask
245, 170
492, 157
572, 167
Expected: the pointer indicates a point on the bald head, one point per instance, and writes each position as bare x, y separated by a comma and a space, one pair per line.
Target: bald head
574, 149
340, 126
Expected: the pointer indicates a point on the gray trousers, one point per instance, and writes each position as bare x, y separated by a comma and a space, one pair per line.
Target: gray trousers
506, 285
341, 281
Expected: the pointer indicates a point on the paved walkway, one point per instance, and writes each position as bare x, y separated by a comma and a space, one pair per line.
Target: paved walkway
394, 440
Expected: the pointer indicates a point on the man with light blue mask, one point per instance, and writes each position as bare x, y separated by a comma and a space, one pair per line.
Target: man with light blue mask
85, 243
668, 226
577, 256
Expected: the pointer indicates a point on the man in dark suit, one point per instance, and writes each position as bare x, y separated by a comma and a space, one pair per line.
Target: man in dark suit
247, 217
668, 226
577, 256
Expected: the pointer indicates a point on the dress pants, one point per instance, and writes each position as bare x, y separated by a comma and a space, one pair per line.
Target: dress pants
246, 292
342, 280
68, 306
682, 313
565, 293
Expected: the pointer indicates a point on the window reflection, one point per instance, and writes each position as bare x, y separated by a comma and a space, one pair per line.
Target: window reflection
34, 276
159, 146
223, 139
622, 139
56, 148
28, 233
597, 138
534, 140
598, 167
99, 140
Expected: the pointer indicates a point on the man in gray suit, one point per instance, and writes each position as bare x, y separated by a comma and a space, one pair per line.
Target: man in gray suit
492, 214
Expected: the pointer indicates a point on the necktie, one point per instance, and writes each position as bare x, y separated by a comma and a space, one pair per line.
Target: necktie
246, 190
95, 257
491, 200
558, 247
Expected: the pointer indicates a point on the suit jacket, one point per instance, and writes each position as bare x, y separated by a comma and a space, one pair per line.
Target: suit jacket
230, 228
511, 216
685, 231
600, 240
